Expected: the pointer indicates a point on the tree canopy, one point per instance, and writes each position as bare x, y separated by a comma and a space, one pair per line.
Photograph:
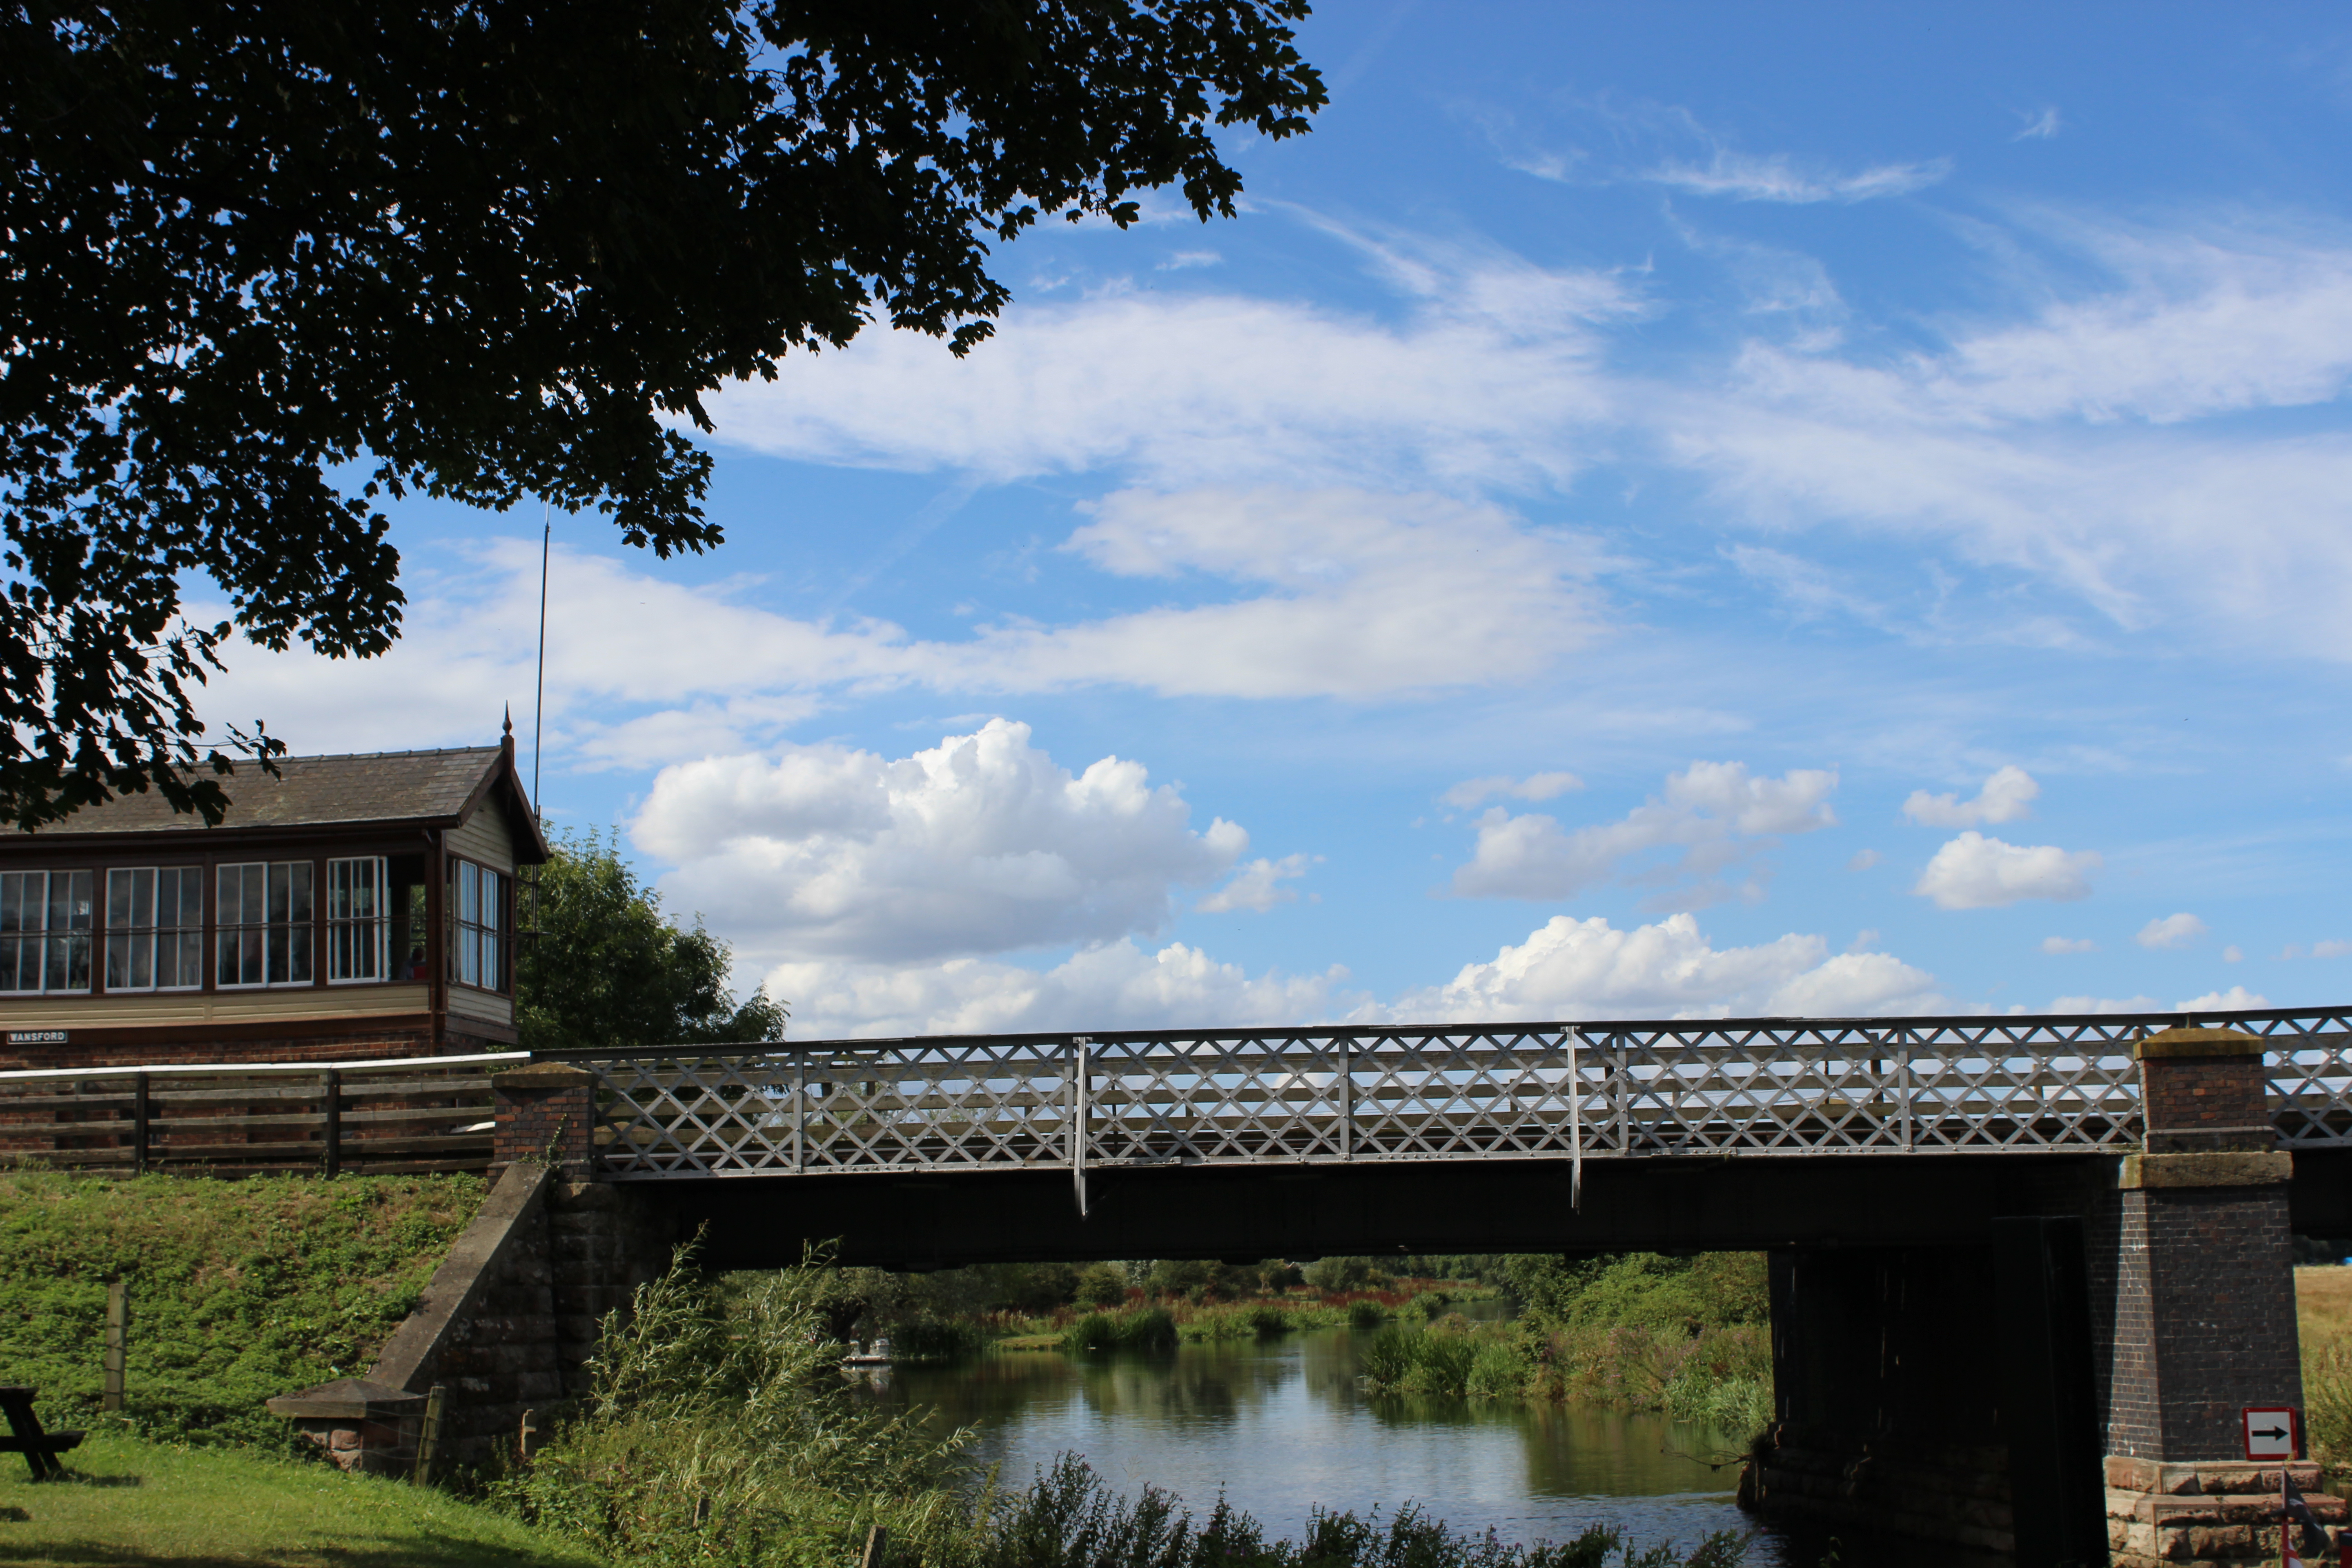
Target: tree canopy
608, 971
264, 264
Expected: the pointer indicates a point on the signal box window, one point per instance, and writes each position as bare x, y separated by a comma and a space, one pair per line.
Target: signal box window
155, 928
264, 914
44, 930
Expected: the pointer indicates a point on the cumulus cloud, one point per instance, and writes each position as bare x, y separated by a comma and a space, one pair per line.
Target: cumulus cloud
979, 844
1569, 968
1864, 859
2232, 1000
2007, 795
1118, 986
2331, 949
1471, 793
2058, 946
1707, 811
2172, 931
1973, 872
2106, 1004
1256, 885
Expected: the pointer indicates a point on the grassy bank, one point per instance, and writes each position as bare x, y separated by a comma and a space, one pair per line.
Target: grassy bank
2323, 1304
130, 1501
239, 1289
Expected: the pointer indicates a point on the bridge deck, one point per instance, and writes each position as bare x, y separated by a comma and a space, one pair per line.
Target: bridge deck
1736, 1087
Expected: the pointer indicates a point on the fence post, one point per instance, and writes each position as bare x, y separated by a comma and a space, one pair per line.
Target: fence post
335, 1144
428, 1436
118, 1342
139, 1116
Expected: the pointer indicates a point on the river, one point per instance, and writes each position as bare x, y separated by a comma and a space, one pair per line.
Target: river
1279, 1425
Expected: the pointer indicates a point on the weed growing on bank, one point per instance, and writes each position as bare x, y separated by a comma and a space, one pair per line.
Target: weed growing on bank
239, 1289
1069, 1519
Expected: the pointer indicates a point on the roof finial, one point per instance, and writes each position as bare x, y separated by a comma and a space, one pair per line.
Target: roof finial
510, 724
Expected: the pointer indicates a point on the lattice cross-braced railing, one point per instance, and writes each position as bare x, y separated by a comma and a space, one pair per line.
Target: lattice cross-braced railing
1309, 1095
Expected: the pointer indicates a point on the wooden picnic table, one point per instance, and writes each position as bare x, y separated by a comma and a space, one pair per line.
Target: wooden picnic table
25, 1434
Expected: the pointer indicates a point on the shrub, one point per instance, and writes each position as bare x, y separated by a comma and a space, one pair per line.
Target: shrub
714, 1433
1430, 1303
1154, 1328
1266, 1321
1366, 1314
1330, 1275
928, 1338
1102, 1285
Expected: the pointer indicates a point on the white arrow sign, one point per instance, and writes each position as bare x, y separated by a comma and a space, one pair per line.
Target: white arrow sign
2271, 1431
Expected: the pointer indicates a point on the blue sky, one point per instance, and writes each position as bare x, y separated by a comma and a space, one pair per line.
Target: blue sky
1651, 509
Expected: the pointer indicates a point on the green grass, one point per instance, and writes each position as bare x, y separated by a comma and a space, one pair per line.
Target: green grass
133, 1502
239, 1289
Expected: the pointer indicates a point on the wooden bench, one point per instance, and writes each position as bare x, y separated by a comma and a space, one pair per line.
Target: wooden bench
25, 1434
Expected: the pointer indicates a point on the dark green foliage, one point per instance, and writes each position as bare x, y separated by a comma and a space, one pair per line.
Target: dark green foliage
1366, 1314
267, 265
927, 1338
1646, 1290
239, 1291
1069, 1519
608, 972
1335, 1274
1102, 1285
1266, 1321
1150, 1329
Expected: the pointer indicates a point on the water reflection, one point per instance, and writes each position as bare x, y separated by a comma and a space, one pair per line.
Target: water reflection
1280, 1426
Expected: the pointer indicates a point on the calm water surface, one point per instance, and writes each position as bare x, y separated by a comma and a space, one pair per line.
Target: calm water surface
1279, 1425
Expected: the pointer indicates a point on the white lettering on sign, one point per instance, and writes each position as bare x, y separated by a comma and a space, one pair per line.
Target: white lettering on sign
2273, 1431
36, 1036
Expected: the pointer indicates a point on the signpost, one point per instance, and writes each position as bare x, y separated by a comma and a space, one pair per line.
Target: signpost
2273, 1431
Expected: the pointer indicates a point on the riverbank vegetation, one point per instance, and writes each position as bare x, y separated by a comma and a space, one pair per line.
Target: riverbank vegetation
2323, 1302
716, 1434
239, 1291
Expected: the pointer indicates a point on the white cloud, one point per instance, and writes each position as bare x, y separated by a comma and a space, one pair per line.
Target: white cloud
1256, 885
2233, 953
2330, 949
1471, 793
2172, 931
1750, 177
2041, 127
1490, 379
1707, 808
1115, 987
979, 844
2229, 1001
2105, 1005
2058, 946
1864, 859
1588, 969
1973, 872
2007, 795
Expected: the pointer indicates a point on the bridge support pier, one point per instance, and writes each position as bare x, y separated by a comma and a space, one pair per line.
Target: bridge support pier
2071, 1392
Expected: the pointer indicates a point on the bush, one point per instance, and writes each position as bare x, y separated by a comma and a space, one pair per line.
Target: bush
1332, 1274
1366, 1314
1151, 1329
929, 1338
1430, 1303
1266, 1322
714, 1433
1401, 1360
1102, 1285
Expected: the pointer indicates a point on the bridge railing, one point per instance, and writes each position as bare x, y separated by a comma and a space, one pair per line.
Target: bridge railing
1745, 1087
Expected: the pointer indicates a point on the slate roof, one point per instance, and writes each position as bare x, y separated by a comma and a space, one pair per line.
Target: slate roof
311, 791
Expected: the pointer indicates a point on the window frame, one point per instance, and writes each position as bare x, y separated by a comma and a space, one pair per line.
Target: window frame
44, 941
152, 930
225, 932
466, 938
332, 925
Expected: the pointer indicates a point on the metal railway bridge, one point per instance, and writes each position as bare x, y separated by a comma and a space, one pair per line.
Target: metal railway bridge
1295, 1141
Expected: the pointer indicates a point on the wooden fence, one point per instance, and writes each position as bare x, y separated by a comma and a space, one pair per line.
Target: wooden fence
381, 1118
